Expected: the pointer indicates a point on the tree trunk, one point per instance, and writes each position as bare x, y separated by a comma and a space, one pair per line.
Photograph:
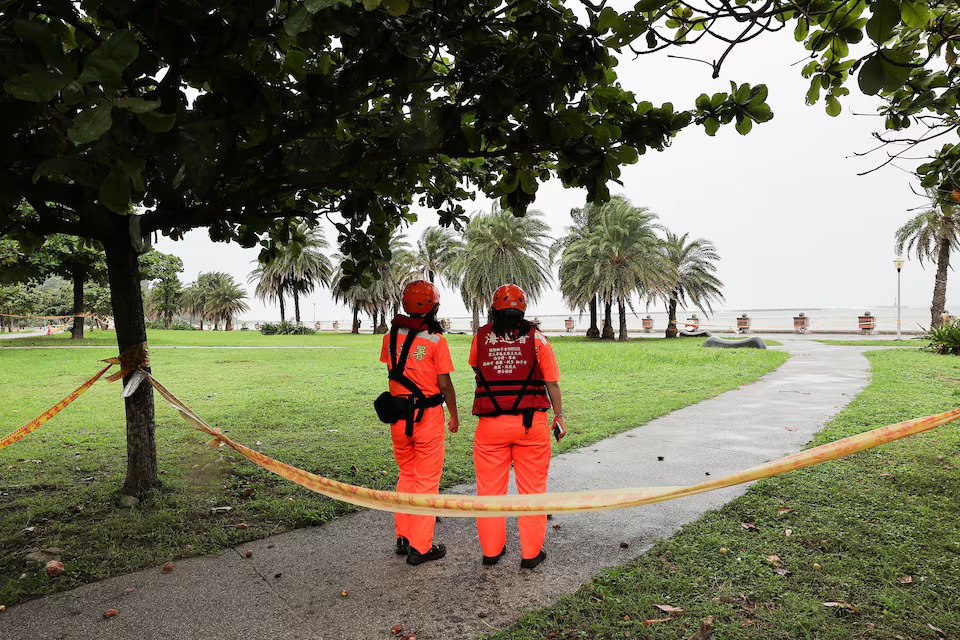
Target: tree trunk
476, 317
296, 307
283, 311
594, 330
607, 320
622, 310
356, 319
430, 275
228, 324
940, 284
79, 276
672, 318
127, 300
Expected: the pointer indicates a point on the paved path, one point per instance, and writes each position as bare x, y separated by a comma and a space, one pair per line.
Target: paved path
290, 587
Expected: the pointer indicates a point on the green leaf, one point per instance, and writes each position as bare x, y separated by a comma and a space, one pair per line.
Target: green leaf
813, 94
157, 122
90, 124
745, 126
833, 106
650, 5
45, 38
397, 7
528, 182
318, 5
109, 60
137, 105
801, 30
886, 17
298, 21
712, 125
914, 15
370, 5
38, 85
651, 39
871, 77
115, 192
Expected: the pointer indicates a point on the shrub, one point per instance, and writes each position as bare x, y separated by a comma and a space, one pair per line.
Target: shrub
285, 328
178, 326
945, 338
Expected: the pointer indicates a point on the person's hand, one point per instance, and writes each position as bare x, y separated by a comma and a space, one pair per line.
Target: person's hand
454, 425
559, 428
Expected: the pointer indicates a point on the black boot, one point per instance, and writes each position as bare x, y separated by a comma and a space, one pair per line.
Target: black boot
436, 552
403, 546
495, 559
530, 563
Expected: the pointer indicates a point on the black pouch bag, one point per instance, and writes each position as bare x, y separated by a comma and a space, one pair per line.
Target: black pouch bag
391, 408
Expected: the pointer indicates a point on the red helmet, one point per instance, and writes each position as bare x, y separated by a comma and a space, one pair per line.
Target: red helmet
509, 296
420, 297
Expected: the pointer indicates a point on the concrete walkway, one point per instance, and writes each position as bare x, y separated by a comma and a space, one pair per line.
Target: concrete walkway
291, 586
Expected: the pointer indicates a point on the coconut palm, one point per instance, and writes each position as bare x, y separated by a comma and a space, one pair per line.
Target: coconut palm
690, 276
615, 258
501, 248
296, 270
435, 252
932, 235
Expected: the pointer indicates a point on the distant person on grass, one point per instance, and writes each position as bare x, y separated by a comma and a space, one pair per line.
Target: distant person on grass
419, 365
517, 378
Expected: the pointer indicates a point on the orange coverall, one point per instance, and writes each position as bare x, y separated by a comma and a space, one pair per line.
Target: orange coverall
500, 441
420, 458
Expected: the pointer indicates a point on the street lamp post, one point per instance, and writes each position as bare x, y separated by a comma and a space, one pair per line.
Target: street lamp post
898, 263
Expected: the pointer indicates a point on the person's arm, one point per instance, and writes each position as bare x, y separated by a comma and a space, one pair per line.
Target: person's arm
445, 384
553, 390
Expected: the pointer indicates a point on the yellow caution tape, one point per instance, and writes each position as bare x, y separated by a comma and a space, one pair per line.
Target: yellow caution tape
129, 360
541, 503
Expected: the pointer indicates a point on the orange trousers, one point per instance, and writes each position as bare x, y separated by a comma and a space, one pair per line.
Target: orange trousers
420, 460
499, 441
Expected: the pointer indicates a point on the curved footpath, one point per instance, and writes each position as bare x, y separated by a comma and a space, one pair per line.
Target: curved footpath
291, 587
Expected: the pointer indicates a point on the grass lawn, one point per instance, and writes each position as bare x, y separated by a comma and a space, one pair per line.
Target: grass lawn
906, 342
878, 530
308, 407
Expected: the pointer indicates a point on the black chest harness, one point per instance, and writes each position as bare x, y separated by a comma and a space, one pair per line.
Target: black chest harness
410, 408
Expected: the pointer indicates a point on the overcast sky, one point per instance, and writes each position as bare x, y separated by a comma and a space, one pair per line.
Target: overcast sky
795, 227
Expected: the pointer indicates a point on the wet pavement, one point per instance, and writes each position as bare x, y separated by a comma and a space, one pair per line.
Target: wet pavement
290, 588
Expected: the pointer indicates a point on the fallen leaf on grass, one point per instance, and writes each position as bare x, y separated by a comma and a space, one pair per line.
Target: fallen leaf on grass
666, 608
653, 621
109, 613
705, 630
189, 547
746, 623
397, 628
783, 510
940, 632
905, 579
409, 636
3, 608
941, 458
788, 532
53, 567
344, 593
774, 559
749, 525
816, 565
248, 554
131, 589
248, 493
240, 525
167, 567
842, 605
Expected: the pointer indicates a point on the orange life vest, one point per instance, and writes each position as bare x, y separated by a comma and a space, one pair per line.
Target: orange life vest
509, 379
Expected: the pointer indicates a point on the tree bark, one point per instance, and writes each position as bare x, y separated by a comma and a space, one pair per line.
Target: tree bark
79, 276
672, 318
296, 307
127, 299
594, 330
356, 319
607, 320
476, 317
283, 311
430, 275
622, 310
940, 284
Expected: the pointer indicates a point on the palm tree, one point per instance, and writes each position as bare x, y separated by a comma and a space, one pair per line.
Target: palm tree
501, 248
932, 235
225, 299
584, 221
617, 257
297, 269
435, 252
192, 302
385, 293
690, 277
